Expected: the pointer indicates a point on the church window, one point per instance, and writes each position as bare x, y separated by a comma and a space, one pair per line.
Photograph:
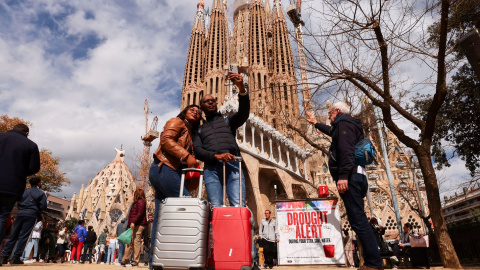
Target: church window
115, 214
97, 213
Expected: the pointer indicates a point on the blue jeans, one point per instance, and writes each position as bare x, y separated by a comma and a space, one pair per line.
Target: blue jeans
6, 205
166, 182
354, 205
20, 233
33, 243
106, 254
87, 252
111, 253
121, 250
214, 183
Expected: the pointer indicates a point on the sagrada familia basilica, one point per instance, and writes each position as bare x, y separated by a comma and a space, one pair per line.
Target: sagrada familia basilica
278, 163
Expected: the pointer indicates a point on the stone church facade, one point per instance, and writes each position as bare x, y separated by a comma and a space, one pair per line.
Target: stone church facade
104, 202
279, 164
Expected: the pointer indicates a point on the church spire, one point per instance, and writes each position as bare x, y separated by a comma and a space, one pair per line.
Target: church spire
194, 74
258, 58
283, 79
217, 52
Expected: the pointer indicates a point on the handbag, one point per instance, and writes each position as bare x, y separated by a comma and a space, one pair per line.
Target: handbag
417, 240
126, 236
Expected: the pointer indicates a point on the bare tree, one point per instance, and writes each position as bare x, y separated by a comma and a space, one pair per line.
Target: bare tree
364, 46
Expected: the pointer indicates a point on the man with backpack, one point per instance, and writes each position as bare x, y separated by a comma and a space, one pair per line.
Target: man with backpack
350, 175
33, 201
78, 239
269, 234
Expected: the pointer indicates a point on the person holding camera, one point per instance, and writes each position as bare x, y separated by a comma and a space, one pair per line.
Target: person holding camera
215, 143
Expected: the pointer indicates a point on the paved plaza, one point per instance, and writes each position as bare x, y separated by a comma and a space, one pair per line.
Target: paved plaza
58, 266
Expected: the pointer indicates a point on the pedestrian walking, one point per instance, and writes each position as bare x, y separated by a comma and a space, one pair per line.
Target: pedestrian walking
269, 233
88, 246
33, 201
350, 178
121, 227
147, 237
112, 246
78, 245
138, 221
102, 240
19, 158
33, 243
62, 243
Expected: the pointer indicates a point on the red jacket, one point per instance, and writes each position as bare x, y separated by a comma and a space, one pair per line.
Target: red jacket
138, 214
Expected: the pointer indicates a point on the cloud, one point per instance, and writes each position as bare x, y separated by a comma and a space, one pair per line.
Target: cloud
81, 70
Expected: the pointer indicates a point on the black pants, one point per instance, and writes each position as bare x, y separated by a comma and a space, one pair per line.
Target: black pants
87, 252
6, 205
354, 205
22, 227
269, 251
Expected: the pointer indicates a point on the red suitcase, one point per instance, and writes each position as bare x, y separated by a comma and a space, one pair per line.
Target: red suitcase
232, 234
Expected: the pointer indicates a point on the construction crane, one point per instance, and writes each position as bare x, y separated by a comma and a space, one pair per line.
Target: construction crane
294, 13
150, 136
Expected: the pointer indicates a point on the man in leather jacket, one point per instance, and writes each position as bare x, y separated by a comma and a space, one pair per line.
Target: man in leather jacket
215, 143
351, 179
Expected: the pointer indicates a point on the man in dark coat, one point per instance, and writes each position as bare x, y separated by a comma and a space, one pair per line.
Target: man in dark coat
351, 179
215, 143
30, 207
19, 158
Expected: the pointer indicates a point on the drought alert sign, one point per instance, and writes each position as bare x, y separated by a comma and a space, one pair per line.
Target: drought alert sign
309, 233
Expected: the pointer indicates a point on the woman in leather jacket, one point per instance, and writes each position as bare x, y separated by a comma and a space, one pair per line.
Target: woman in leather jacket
174, 153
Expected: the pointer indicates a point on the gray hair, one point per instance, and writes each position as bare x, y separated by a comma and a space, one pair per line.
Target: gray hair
342, 106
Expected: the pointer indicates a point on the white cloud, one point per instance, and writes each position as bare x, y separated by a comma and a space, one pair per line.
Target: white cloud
81, 108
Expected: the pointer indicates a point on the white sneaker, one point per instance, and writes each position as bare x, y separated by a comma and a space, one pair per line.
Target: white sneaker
29, 261
40, 261
394, 258
102, 263
128, 265
73, 262
117, 263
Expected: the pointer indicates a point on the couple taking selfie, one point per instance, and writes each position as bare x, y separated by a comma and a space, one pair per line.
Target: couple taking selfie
184, 140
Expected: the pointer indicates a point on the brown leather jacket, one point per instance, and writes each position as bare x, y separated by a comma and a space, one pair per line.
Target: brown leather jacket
175, 143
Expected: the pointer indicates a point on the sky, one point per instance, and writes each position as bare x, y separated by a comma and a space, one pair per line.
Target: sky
81, 70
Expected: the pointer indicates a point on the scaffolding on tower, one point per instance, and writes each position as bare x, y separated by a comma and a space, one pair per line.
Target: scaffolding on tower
150, 135
294, 13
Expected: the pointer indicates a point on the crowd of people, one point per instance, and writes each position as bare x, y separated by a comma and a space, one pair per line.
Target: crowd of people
184, 140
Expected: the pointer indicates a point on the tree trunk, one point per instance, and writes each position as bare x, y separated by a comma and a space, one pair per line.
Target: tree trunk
445, 245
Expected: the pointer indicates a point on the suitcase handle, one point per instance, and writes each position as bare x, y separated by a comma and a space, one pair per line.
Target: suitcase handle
200, 182
239, 159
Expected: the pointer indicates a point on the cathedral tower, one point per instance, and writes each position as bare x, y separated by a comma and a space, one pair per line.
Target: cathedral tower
283, 85
193, 80
217, 52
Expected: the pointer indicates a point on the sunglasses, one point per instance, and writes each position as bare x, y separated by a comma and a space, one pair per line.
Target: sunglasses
210, 100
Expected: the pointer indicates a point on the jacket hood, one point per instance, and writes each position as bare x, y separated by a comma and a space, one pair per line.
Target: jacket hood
347, 118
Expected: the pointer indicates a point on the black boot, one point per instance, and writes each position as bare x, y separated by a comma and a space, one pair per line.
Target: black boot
4, 260
16, 261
